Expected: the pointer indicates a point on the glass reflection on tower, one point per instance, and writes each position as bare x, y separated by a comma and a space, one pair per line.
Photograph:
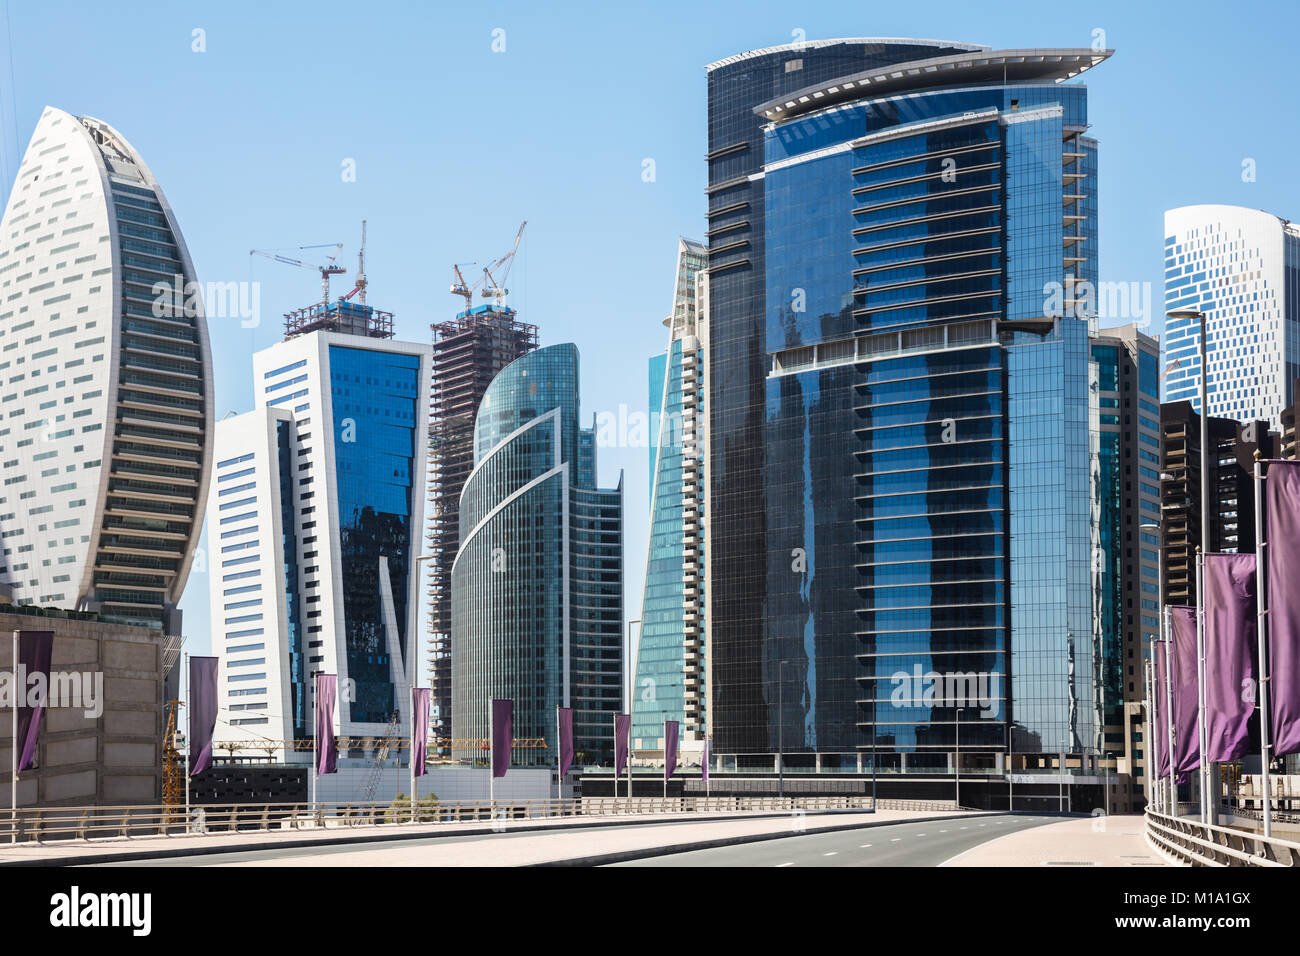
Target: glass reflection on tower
925, 499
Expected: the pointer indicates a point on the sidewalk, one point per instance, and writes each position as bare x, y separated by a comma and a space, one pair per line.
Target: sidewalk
1091, 841
565, 840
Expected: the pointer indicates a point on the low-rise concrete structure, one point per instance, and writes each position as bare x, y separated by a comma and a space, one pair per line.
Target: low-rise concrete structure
83, 758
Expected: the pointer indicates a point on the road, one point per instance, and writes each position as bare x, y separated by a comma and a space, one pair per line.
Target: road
900, 844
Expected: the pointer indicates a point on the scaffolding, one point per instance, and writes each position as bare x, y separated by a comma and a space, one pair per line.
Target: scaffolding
468, 352
350, 318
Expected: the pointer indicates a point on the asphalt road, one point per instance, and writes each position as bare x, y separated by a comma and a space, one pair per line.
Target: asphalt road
899, 844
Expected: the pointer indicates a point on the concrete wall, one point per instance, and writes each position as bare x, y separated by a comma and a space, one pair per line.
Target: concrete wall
81, 761
447, 783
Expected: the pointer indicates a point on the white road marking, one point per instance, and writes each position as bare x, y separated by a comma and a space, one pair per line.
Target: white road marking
895, 839
832, 853
864, 846
779, 865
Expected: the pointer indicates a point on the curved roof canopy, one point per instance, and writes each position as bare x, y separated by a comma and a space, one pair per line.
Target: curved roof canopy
1011, 66
842, 41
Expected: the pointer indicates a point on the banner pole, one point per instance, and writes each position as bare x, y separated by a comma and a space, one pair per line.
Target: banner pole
558, 745
13, 751
315, 742
1207, 811
492, 742
1146, 735
414, 800
189, 736
665, 758
1169, 712
1261, 634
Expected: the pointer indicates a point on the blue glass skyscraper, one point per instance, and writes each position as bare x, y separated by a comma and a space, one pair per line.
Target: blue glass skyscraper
537, 585
901, 403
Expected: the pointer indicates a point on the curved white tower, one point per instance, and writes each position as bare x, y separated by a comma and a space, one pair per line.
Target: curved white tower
1239, 267
105, 382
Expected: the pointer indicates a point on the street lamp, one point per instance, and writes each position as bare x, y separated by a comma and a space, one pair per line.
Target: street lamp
631, 677
1199, 316
1106, 757
1154, 528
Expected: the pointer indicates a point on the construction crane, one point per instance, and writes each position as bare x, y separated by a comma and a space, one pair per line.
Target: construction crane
330, 268
492, 289
460, 287
172, 785
381, 754
360, 287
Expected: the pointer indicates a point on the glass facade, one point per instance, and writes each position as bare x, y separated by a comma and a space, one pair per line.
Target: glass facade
741, 693
537, 584
293, 632
374, 395
670, 655
919, 483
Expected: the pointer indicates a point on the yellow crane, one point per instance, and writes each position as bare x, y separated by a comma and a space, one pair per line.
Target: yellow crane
173, 783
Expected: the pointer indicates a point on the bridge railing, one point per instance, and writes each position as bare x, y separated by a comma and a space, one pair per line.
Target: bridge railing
1189, 841
64, 824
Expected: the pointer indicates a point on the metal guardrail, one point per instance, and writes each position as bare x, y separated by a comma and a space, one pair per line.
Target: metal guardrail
1189, 841
73, 824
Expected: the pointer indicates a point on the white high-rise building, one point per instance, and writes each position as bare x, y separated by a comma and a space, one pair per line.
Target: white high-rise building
1241, 267
315, 520
105, 382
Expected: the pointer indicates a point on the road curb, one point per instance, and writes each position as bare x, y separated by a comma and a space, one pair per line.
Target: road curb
646, 853
127, 856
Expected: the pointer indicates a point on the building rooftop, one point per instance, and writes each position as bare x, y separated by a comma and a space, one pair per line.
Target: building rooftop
1014, 66
841, 41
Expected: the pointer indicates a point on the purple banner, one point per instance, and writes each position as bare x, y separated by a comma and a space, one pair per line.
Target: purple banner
503, 720
34, 650
1187, 697
622, 726
419, 730
1162, 712
1230, 647
327, 747
203, 712
565, 728
670, 748
1282, 570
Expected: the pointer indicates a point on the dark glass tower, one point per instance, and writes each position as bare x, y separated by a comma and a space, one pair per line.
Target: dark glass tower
900, 412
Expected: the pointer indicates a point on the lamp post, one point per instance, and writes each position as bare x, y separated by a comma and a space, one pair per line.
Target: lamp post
1207, 810
1106, 759
1154, 528
420, 559
780, 728
631, 677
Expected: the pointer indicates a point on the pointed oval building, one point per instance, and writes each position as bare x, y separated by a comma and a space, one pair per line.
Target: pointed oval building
105, 382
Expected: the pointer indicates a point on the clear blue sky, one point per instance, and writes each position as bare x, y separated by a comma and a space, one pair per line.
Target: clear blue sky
455, 144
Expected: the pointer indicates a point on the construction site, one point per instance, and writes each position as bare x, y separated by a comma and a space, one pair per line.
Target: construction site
341, 315
468, 352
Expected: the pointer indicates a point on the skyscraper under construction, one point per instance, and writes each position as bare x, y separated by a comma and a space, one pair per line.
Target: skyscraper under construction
468, 352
